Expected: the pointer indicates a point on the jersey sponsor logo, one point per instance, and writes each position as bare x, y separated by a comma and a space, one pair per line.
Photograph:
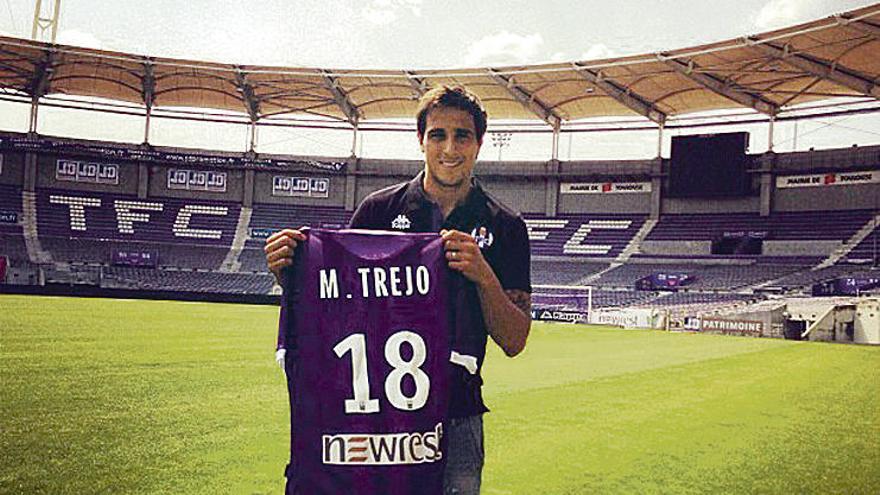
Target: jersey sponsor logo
385, 449
401, 223
483, 237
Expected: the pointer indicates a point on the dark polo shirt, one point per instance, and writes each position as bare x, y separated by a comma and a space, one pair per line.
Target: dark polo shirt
405, 207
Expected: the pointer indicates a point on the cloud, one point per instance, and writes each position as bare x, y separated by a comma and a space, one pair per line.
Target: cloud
597, 51
79, 38
504, 48
779, 13
384, 12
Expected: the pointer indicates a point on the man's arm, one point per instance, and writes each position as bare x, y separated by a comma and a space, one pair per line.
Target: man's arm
507, 313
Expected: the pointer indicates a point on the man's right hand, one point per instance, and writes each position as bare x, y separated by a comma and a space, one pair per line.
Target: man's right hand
279, 250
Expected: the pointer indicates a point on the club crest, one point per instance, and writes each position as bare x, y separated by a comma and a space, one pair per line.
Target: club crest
483, 237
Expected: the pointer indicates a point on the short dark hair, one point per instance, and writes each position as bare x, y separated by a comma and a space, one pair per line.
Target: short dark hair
451, 97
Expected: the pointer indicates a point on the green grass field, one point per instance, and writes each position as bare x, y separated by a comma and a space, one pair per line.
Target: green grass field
119, 396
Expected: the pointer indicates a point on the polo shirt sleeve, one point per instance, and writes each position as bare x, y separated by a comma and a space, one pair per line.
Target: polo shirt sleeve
514, 266
364, 216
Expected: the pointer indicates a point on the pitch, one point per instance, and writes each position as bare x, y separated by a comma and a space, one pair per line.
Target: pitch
120, 396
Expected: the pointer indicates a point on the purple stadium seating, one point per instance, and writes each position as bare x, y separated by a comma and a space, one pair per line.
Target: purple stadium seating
582, 235
811, 225
276, 217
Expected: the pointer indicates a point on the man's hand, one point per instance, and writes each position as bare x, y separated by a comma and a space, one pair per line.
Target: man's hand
279, 250
464, 255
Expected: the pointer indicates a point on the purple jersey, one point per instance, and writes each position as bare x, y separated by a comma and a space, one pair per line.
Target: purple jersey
368, 363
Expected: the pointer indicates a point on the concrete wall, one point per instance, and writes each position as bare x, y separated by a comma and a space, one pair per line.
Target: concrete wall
676, 247
520, 194
605, 203
718, 205
47, 166
799, 248
855, 197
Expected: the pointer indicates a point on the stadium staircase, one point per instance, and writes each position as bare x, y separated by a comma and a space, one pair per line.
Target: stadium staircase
850, 244
231, 263
633, 247
29, 229
635, 243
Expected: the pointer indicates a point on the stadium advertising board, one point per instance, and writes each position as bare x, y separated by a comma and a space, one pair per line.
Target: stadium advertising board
126, 257
832, 179
604, 187
196, 180
725, 326
628, 318
559, 315
95, 173
141, 154
256, 233
8, 217
306, 187
664, 281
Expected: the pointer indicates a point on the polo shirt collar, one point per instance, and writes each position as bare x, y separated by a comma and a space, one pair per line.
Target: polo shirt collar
416, 197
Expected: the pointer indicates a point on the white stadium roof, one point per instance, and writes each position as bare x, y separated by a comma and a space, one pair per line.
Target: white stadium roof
770, 72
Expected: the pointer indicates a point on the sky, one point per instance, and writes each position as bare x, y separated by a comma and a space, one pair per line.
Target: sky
407, 34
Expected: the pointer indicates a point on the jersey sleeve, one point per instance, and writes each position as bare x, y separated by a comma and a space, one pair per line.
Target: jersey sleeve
514, 268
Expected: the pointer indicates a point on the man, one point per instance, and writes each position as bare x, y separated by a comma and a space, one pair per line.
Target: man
484, 241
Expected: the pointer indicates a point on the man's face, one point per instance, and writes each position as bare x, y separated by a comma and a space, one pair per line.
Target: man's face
450, 146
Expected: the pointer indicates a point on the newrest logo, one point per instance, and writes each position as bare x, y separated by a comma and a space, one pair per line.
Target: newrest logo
383, 449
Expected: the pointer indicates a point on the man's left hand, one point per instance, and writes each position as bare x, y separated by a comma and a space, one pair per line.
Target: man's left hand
464, 255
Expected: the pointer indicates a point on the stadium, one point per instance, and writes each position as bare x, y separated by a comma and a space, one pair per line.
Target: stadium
685, 304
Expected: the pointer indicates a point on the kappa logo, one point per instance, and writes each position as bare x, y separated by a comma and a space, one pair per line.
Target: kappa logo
483, 237
401, 223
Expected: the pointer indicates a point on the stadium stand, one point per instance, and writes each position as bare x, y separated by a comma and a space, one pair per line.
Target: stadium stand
579, 235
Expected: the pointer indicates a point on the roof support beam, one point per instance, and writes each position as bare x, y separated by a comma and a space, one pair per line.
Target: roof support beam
527, 100
864, 26
830, 72
148, 85
352, 114
248, 97
148, 92
418, 84
625, 96
712, 83
39, 83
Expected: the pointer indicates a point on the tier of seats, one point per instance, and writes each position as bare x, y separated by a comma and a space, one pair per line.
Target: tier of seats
582, 235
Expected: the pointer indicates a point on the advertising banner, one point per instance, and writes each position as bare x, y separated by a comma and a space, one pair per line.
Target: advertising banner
307, 187
752, 328
196, 180
138, 258
831, 179
604, 187
77, 171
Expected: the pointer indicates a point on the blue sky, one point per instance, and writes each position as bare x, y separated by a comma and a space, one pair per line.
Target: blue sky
411, 34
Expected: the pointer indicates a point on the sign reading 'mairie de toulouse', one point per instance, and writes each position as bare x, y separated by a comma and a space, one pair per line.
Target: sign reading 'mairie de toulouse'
604, 187
831, 179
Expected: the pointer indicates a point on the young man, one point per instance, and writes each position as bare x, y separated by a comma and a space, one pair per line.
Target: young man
484, 241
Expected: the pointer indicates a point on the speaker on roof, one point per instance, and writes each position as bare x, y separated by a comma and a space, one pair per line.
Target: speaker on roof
709, 166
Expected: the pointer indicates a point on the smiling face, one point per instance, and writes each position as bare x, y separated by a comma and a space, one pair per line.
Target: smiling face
451, 146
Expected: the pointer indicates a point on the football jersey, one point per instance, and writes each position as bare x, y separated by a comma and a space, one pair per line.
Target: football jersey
368, 335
